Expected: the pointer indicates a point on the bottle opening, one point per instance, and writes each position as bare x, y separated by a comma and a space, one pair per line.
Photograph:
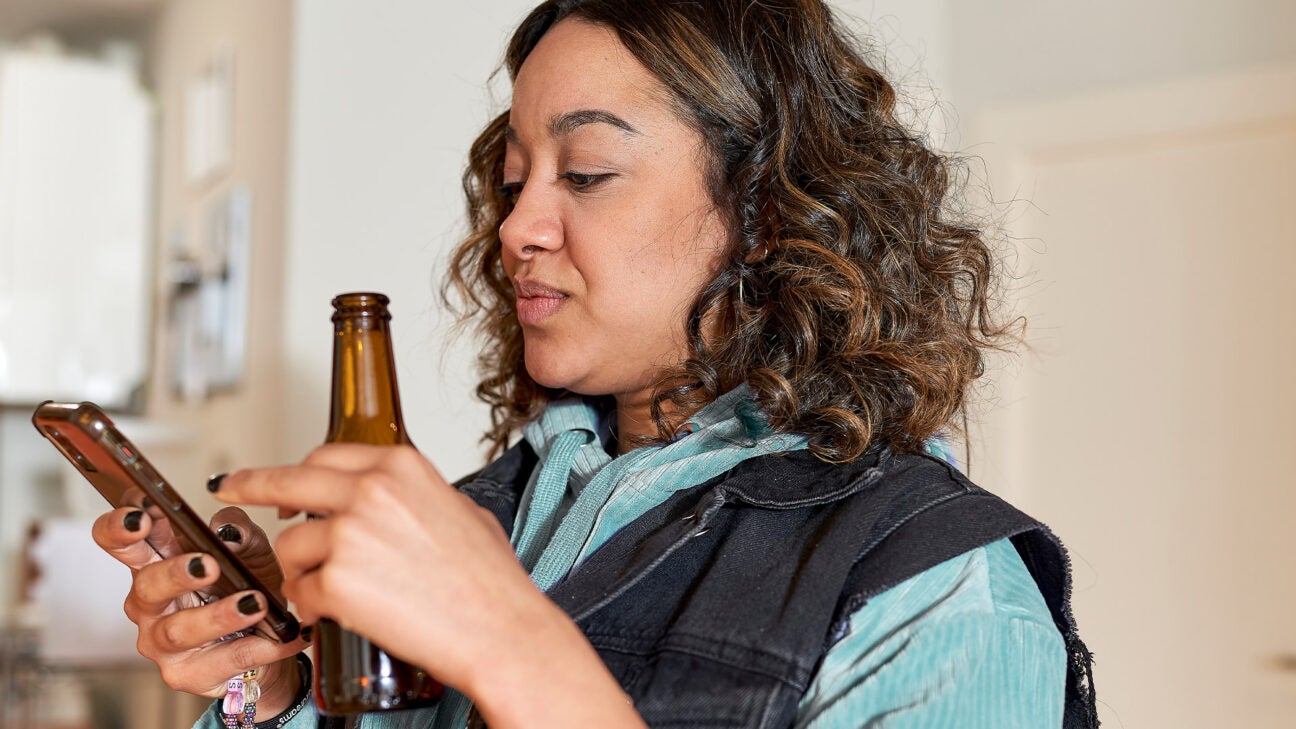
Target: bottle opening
361, 303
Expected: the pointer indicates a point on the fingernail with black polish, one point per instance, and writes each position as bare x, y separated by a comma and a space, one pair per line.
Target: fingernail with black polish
228, 533
146, 503
249, 605
214, 483
196, 568
307, 632
132, 520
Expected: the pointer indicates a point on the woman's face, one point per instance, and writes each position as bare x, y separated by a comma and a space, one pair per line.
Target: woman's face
613, 233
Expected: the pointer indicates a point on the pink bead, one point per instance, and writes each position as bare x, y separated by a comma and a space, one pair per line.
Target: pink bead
233, 701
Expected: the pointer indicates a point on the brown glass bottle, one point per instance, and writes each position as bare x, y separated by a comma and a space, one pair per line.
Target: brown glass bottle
352, 674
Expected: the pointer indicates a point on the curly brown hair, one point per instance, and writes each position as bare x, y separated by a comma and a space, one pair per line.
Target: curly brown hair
854, 303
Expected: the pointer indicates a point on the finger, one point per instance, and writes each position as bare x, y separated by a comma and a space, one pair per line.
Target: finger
157, 585
309, 601
164, 540
249, 543
355, 458
205, 671
403, 460
236, 656
242, 536
303, 547
314, 489
121, 533
348, 456
193, 628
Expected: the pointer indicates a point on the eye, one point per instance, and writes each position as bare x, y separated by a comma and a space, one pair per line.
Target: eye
582, 182
509, 191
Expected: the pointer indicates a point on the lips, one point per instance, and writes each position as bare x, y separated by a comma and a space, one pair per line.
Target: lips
536, 301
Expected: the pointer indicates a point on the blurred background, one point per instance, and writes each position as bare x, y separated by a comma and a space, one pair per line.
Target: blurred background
184, 185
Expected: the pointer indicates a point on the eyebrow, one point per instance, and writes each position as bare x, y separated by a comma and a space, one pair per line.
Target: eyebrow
568, 122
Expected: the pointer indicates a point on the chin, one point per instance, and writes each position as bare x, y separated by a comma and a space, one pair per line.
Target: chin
557, 377
550, 372
575, 371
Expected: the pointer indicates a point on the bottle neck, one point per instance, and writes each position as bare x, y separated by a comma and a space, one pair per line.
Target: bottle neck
365, 402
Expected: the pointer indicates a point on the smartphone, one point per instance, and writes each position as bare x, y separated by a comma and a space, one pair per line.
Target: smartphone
117, 469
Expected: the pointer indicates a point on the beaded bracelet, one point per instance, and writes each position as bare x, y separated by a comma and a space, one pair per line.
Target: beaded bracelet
239, 705
243, 716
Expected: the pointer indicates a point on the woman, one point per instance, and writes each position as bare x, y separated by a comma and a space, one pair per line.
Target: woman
729, 312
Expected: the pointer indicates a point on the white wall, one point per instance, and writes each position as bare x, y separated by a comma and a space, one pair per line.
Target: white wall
1004, 51
385, 104
238, 427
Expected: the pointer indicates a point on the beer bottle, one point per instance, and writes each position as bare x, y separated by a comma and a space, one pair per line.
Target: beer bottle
352, 674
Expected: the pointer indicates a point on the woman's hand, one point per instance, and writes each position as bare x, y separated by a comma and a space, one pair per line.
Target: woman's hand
406, 560
181, 635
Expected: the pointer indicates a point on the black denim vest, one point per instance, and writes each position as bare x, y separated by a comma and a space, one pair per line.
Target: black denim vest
715, 608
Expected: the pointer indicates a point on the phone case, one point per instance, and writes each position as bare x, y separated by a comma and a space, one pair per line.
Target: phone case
115, 467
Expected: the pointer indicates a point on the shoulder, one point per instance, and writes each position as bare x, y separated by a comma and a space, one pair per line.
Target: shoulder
921, 512
799, 479
909, 518
971, 635
903, 513
985, 584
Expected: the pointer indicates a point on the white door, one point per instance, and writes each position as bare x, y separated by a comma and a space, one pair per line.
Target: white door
1153, 423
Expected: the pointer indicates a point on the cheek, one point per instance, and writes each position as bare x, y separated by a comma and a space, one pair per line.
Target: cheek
508, 262
679, 256
654, 296
644, 283
650, 264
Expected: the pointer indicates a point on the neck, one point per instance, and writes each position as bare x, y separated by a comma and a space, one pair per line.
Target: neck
633, 422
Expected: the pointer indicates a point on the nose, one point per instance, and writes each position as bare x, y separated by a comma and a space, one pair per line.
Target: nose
532, 226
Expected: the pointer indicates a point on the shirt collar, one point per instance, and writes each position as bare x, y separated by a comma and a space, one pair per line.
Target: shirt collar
579, 413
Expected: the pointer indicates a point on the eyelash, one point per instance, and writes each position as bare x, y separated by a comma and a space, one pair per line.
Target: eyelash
582, 182
509, 191
579, 181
